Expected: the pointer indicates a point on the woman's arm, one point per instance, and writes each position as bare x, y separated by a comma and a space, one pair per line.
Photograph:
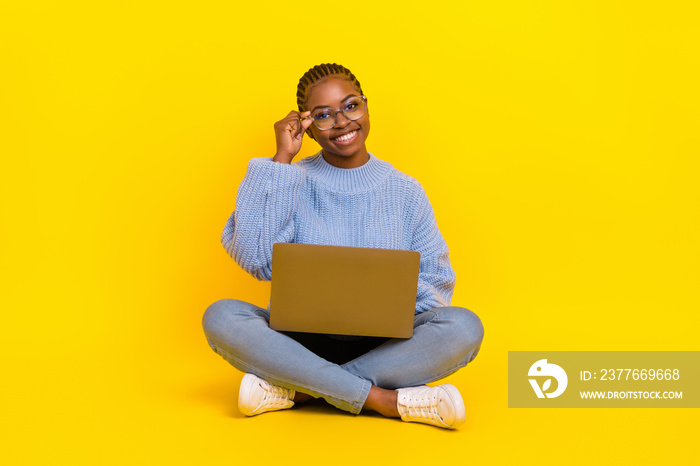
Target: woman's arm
436, 278
266, 202
265, 205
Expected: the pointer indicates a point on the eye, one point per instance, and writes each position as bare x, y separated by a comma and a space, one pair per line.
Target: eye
352, 104
322, 115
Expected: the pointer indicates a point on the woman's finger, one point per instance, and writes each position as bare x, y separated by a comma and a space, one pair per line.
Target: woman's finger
304, 123
290, 124
299, 126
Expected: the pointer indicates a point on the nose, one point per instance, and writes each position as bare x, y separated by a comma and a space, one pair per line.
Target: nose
341, 121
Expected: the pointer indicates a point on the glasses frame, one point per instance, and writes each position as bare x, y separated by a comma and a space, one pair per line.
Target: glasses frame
335, 114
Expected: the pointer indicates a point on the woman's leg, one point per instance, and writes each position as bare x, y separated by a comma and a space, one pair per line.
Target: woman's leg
444, 340
240, 333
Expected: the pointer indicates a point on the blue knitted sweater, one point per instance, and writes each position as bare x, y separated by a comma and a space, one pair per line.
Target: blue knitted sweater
313, 202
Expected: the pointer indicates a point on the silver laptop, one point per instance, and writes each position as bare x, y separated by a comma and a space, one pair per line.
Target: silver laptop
343, 290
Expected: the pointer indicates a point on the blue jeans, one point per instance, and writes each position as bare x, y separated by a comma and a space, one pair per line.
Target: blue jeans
444, 340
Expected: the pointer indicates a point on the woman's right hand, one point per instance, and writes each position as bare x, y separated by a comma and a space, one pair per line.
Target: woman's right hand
289, 134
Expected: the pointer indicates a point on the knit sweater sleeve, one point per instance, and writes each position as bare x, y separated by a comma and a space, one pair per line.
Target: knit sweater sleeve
267, 199
436, 278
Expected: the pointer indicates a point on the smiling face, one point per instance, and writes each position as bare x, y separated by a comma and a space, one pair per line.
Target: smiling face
344, 144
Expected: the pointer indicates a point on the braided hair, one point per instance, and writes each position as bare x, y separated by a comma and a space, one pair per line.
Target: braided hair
321, 72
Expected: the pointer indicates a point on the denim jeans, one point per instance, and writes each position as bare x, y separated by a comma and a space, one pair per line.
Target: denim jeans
444, 340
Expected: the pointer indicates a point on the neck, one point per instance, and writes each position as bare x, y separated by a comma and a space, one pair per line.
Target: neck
355, 160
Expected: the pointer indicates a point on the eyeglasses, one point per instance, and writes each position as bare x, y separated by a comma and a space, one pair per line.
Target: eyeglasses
326, 118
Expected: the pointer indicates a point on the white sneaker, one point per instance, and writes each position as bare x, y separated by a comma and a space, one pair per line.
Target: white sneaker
440, 406
257, 396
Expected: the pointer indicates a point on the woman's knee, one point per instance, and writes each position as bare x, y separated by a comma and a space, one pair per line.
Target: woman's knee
224, 313
466, 325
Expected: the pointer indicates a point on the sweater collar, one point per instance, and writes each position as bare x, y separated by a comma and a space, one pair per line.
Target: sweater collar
346, 179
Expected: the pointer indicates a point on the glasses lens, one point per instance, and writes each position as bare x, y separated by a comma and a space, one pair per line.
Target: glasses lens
354, 108
324, 118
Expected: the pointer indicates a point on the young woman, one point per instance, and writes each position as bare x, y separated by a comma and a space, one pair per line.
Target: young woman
342, 196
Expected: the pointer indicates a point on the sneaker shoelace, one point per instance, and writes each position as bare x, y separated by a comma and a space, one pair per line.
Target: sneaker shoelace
421, 406
274, 395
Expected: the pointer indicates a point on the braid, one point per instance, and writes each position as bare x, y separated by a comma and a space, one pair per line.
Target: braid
319, 72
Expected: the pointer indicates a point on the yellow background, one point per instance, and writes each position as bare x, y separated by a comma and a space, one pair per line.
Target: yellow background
558, 143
